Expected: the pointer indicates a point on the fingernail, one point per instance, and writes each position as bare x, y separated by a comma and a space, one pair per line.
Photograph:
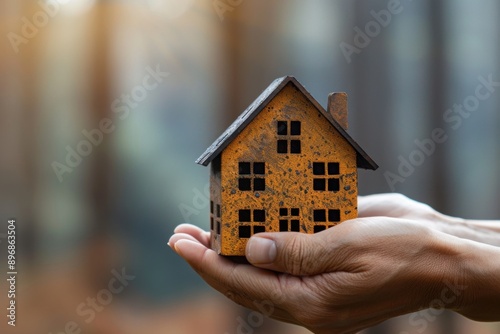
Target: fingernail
170, 242
188, 249
261, 250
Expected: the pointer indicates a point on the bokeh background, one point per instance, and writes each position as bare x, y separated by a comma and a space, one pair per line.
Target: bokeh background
116, 209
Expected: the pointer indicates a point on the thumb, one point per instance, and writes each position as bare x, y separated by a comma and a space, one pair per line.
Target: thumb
292, 253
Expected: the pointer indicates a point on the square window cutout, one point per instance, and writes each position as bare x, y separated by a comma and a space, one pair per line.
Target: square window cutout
333, 168
244, 215
319, 215
319, 184
295, 128
244, 231
259, 216
282, 128
259, 168
244, 184
318, 168
295, 146
244, 168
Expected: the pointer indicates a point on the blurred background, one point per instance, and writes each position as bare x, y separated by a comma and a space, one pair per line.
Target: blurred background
105, 105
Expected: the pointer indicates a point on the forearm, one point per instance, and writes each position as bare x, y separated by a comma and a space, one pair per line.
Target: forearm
484, 277
483, 231
398, 206
474, 279
486, 225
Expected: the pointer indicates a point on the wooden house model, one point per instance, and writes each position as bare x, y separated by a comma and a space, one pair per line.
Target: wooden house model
285, 164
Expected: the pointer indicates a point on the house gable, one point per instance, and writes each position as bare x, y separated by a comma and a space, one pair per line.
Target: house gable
287, 177
284, 164
362, 159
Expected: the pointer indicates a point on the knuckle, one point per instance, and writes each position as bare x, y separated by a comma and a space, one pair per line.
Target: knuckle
235, 297
294, 258
238, 298
398, 197
279, 296
229, 294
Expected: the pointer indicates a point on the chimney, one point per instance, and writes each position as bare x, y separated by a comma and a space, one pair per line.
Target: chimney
337, 107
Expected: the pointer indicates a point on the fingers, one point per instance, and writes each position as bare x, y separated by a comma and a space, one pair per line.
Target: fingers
242, 283
391, 204
180, 236
374, 205
202, 236
292, 253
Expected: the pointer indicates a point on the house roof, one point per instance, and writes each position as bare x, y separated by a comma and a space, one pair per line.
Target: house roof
363, 160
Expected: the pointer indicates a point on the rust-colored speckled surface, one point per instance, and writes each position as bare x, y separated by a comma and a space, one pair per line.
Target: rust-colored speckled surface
288, 177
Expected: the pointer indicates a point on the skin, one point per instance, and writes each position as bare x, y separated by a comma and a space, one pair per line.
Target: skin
398, 257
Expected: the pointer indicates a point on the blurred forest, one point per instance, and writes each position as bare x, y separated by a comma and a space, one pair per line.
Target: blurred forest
105, 105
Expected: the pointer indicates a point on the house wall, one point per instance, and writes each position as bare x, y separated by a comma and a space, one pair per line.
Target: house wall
288, 177
215, 204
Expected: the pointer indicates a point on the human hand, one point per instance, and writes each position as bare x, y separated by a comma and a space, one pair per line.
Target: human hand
342, 280
399, 206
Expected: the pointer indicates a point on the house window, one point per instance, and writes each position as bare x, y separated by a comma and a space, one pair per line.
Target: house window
252, 176
215, 217
326, 176
324, 219
289, 220
288, 133
251, 222
244, 231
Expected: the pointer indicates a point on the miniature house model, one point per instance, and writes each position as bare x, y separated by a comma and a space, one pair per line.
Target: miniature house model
285, 164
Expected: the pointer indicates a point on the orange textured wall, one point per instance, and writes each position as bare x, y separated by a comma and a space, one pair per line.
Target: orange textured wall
288, 177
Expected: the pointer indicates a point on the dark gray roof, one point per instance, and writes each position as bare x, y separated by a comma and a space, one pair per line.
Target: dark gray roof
362, 159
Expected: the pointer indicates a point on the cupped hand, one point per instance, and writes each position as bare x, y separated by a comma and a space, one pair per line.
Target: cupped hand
399, 206
342, 280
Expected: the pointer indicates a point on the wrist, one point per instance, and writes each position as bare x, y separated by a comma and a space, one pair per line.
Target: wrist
444, 279
468, 277
481, 300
